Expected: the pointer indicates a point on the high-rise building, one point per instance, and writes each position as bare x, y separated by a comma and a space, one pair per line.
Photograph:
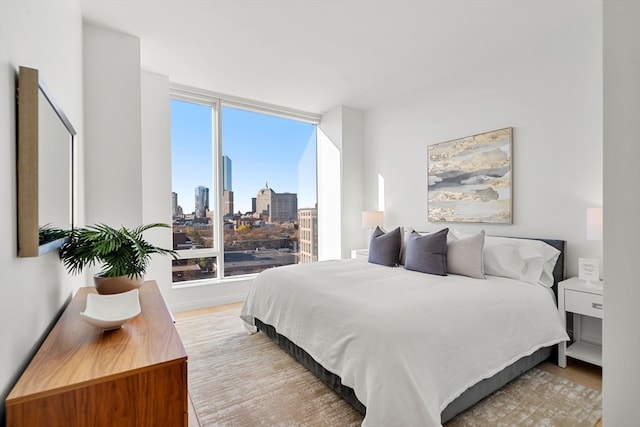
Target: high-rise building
174, 204
226, 174
227, 197
202, 201
308, 235
276, 207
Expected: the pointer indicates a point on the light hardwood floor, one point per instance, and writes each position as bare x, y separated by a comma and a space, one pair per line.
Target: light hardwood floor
576, 371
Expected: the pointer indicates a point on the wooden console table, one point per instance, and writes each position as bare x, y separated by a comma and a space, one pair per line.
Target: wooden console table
82, 376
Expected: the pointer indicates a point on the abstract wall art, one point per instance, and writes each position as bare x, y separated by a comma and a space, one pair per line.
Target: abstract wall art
470, 179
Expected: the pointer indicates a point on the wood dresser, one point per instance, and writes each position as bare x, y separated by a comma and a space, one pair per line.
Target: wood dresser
83, 376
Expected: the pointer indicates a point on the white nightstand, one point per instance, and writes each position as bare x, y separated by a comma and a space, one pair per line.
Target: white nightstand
582, 299
360, 253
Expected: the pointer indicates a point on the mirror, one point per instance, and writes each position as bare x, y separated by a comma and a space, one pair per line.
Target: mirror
44, 167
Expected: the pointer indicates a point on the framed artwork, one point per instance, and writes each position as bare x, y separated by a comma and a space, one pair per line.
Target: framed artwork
470, 179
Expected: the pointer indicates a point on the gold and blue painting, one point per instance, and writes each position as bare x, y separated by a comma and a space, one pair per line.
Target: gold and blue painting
470, 179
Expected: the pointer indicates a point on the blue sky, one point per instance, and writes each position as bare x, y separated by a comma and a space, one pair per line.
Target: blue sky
262, 149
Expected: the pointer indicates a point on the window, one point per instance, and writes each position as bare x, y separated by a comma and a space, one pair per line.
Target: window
244, 195
269, 171
192, 171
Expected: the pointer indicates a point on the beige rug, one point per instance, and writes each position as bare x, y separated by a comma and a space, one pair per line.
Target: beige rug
236, 379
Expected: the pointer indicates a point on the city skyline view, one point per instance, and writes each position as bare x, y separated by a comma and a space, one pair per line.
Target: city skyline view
261, 148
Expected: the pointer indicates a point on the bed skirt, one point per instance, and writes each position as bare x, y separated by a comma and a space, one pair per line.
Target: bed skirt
467, 399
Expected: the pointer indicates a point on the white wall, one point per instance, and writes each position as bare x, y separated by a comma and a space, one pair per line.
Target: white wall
156, 170
113, 156
46, 36
340, 182
352, 180
329, 196
621, 382
549, 91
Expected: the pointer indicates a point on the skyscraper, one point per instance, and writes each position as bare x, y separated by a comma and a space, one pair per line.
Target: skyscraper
174, 204
227, 192
277, 207
308, 235
202, 201
226, 174
227, 198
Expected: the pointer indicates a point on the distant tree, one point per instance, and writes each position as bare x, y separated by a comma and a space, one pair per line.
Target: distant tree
207, 265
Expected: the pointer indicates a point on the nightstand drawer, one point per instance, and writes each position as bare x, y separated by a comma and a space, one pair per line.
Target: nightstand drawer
583, 303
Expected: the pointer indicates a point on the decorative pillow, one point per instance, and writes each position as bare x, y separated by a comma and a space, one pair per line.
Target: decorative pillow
405, 233
464, 255
427, 254
524, 259
384, 248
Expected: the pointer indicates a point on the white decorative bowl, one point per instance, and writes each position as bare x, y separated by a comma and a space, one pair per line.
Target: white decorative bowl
111, 311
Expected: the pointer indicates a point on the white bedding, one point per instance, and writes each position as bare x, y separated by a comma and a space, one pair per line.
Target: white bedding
408, 343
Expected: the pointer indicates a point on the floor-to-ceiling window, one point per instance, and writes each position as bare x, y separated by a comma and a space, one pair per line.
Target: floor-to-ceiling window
244, 189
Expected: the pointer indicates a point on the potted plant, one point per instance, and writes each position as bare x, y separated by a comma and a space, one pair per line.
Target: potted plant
123, 254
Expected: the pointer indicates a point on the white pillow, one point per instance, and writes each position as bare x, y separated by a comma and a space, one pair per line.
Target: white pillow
405, 232
465, 255
528, 260
524, 259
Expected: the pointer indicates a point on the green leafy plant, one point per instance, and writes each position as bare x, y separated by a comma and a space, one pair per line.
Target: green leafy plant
48, 233
121, 252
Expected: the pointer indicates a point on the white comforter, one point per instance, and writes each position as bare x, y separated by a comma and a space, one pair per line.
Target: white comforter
408, 343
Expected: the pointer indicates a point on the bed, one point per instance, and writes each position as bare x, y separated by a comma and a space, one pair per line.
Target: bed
409, 348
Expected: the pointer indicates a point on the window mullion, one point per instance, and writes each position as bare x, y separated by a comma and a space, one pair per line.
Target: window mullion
217, 179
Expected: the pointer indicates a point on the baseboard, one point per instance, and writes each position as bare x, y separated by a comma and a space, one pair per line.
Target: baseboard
206, 303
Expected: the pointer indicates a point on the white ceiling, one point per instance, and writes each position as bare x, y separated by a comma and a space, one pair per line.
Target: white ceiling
314, 55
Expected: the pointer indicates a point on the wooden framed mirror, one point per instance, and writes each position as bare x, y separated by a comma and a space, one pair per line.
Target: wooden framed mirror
44, 167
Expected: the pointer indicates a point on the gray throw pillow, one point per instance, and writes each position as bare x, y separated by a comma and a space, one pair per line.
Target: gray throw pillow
427, 254
464, 256
384, 248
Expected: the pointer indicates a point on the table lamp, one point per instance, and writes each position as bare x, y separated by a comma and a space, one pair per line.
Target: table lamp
589, 269
372, 219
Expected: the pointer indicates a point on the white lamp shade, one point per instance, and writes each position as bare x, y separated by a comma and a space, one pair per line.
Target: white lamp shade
372, 219
594, 224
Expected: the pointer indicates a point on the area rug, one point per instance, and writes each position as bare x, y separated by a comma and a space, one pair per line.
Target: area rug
237, 379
